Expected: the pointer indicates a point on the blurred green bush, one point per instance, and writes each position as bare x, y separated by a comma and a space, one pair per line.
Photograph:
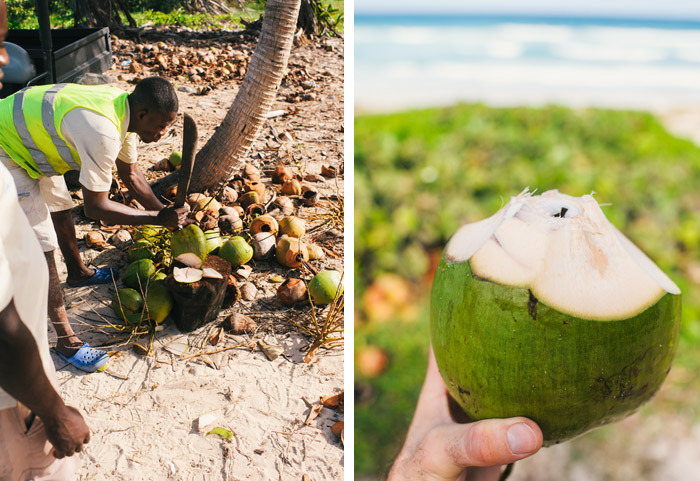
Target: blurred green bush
421, 174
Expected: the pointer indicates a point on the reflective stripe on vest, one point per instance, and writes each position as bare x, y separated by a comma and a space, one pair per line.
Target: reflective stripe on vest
30, 123
42, 163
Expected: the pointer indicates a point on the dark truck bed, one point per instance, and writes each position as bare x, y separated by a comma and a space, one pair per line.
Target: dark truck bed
71, 53
75, 51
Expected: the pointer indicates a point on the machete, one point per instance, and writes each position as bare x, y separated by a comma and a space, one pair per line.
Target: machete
189, 145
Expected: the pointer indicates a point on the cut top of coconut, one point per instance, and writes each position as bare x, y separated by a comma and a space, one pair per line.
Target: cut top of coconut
566, 252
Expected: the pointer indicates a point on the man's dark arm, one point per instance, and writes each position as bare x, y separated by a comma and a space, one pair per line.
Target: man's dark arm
139, 188
22, 376
99, 206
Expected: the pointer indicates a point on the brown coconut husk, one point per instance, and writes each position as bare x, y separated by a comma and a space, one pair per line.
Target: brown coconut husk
198, 303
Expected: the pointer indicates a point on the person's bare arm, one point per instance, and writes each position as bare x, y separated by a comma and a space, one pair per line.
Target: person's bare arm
23, 377
99, 206
134, 180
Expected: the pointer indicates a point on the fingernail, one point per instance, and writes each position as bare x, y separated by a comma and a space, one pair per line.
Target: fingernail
521, 439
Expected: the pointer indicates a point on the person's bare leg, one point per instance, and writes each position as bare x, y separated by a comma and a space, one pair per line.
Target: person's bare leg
67, 242
67, 343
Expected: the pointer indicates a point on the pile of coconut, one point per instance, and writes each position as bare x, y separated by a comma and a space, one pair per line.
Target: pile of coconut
192, 273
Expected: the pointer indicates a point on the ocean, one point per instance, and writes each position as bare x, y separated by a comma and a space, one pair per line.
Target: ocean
415, 61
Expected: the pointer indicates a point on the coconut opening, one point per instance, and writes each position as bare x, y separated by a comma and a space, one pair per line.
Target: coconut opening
566, 253
560, 208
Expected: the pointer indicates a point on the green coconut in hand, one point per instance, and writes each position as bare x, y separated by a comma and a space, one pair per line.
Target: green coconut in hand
546, 310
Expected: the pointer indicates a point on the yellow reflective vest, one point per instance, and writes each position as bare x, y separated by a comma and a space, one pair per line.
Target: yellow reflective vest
30, 123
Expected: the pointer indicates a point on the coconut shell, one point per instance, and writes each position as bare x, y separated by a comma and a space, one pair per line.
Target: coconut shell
264, 223
259, 187
290, 252
263, 245
170, 193
292, 226
248, 291
255, 210
292, 291
249, 198
285, 204
230, 224
163, 165
193, 198
228, 195
209, 222
329, 171
238, 324
227, 210
281, 175
95, 239
291, 187
309, 196
250, 172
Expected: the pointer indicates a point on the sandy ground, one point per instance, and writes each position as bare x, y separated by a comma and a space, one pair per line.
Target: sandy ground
143, 411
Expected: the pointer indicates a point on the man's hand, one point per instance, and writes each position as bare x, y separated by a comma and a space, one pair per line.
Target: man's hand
67, 432
19, 361
439, 449
174, 217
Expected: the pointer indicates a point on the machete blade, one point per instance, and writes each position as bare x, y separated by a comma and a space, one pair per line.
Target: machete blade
189, 145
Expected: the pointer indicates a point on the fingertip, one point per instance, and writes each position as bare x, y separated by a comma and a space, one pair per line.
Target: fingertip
524, 438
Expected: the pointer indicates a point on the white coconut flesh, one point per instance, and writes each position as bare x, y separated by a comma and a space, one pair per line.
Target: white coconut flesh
566, 252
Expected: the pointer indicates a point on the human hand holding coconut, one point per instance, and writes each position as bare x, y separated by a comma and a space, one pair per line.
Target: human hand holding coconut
437, 448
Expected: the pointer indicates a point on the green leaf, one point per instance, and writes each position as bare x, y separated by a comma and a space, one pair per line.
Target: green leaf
223, 432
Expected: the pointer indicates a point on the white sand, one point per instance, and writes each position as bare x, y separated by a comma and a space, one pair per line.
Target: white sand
143, 411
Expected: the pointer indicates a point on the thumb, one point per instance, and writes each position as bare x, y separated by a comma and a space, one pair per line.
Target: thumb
449, 448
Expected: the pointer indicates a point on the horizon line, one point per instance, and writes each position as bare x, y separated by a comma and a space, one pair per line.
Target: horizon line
637, 17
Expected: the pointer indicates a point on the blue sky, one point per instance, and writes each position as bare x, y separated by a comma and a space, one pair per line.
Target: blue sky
682, 9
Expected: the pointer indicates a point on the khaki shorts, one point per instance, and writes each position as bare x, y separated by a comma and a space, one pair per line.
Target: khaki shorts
38, 198
26, 453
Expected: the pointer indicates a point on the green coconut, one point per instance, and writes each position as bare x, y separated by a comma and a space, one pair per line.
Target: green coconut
175, 158
545, 310
236, 250
189, 239
324, 286
159, 301
127, 304
292, 226
212, 241
141, 249
139, 272
148, 232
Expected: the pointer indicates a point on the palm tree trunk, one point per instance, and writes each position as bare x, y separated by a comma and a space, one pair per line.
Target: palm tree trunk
218, 159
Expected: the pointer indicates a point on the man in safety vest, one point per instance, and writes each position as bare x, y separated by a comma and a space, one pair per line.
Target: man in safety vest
47, 130
39, 434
